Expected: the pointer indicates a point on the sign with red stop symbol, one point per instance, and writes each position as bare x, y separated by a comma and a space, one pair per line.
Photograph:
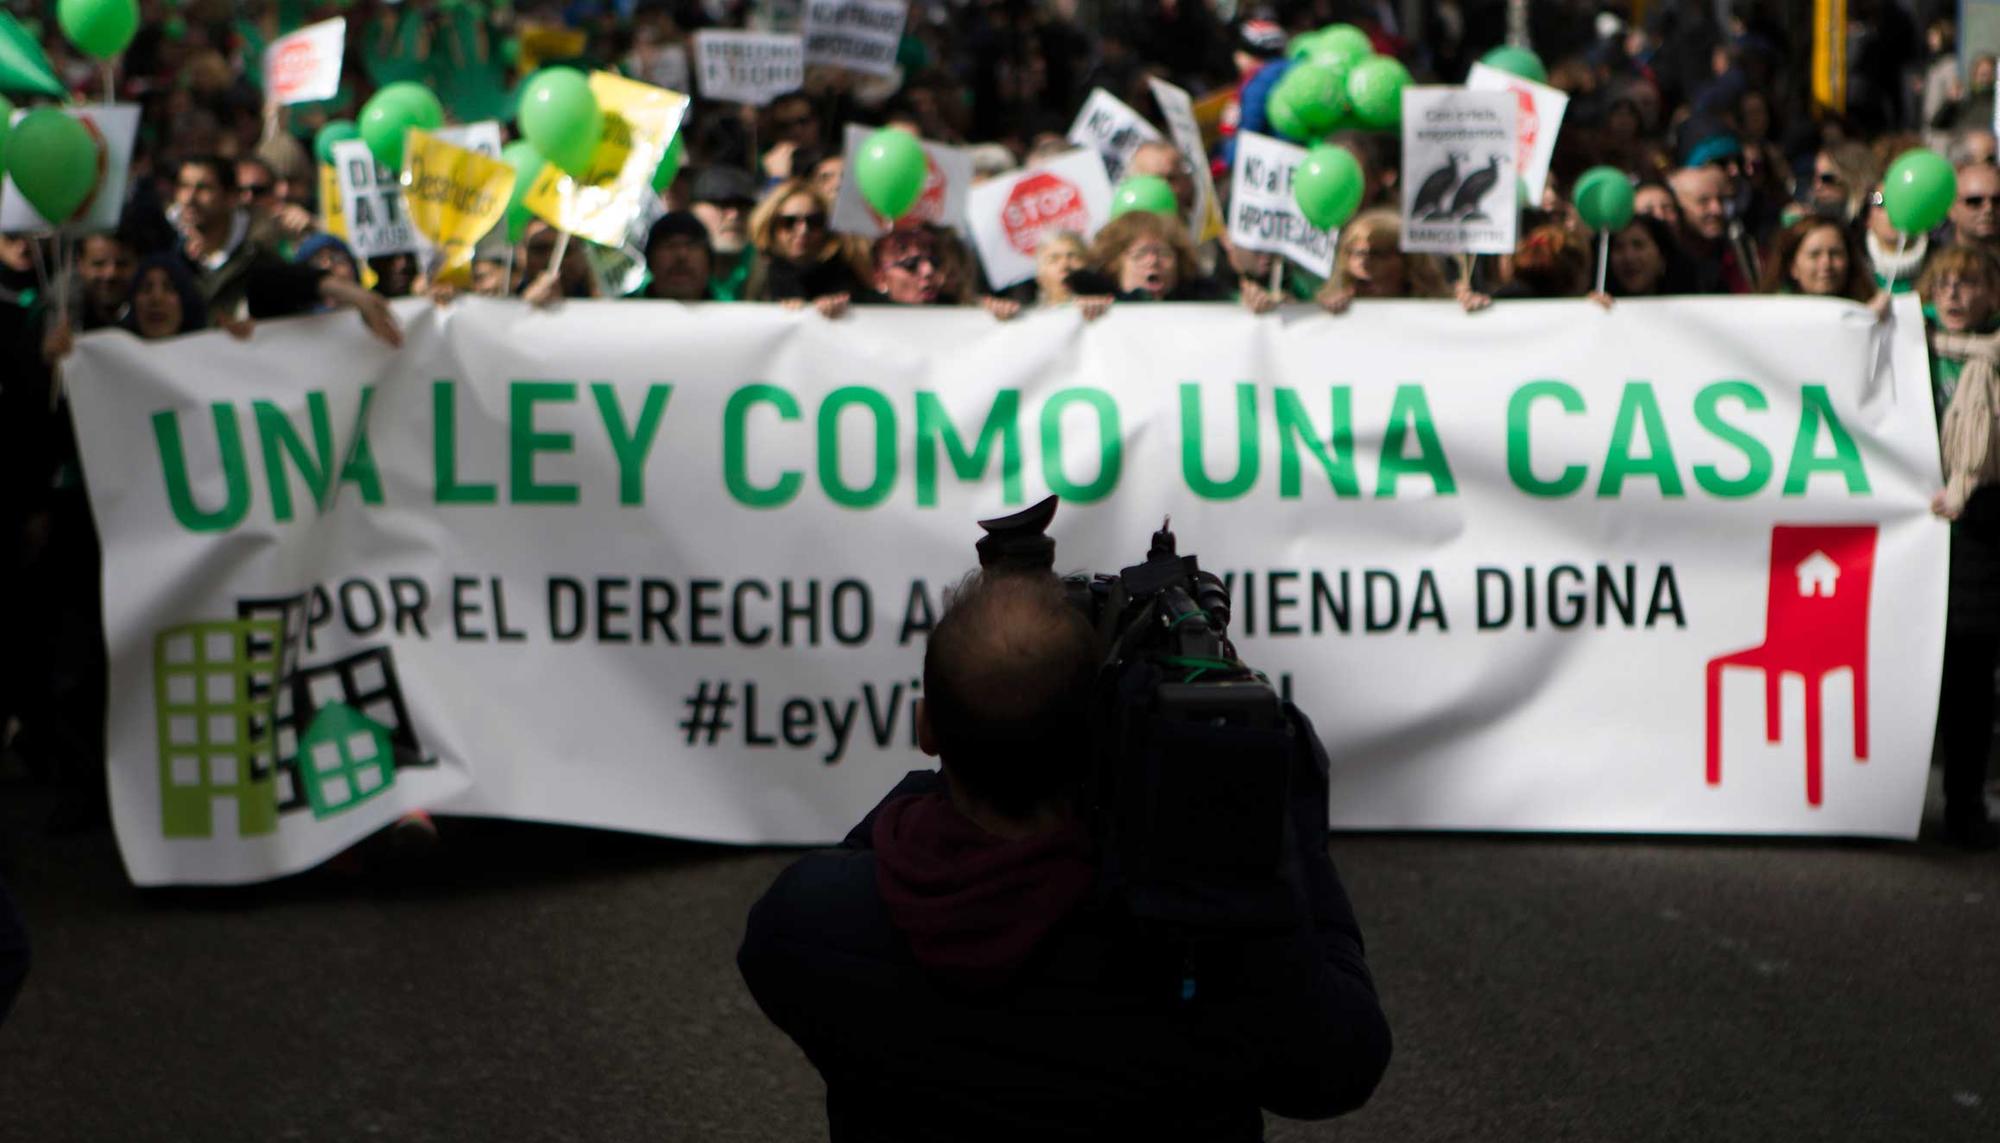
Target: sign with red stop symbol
1012, 217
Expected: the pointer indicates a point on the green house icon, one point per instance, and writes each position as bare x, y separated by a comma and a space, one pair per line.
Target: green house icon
345, 758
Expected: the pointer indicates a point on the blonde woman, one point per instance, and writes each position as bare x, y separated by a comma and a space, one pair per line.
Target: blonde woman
1369, 263
798, 258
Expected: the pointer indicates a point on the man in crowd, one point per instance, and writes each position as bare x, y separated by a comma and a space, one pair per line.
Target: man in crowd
953, 972
105, 264
678, 256
723, 197
1702, 193
217, 235
1975, 213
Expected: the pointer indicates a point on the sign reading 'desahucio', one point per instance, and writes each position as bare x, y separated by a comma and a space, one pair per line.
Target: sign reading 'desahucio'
1555, 568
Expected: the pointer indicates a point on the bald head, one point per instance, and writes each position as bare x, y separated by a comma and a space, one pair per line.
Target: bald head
1007, 678
1702, 193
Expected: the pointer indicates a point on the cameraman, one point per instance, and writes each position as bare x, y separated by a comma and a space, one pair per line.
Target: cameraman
955, 973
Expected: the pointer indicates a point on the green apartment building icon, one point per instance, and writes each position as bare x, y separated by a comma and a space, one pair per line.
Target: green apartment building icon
215, 688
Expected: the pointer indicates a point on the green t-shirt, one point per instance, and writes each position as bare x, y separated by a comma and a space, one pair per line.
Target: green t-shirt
728, 281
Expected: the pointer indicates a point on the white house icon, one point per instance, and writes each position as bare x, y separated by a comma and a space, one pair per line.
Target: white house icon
1817, 575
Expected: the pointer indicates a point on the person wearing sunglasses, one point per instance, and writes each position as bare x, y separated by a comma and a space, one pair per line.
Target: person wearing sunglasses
910, 267
1975, 214
1842, 175
1894, 259
799, 259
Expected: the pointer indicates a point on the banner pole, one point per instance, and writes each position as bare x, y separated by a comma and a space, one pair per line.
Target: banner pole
1603, 257
1277, 272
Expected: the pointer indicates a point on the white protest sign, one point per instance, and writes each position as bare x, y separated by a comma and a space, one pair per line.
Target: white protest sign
1263, 215
942, 202
482, 137
1011, 216
1177, 107
114, 127
1459, 171
665, 66
305, 65
749, 67
378, 222
1538, 118
859, 35
1110, 127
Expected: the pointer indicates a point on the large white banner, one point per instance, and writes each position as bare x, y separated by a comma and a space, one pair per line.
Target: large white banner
1664, 569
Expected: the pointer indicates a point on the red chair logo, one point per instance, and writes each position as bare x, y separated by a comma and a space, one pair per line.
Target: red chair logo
1815, 622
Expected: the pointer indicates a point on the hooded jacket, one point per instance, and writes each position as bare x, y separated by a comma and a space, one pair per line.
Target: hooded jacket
953, 985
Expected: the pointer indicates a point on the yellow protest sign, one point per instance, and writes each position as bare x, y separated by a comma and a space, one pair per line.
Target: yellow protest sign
333, 215
548, 42
639, 122
454, 196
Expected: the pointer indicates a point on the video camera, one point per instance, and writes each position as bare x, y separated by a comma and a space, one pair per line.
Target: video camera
1200, 770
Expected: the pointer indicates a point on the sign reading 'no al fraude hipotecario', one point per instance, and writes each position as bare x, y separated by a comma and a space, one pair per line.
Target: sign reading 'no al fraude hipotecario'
670, 569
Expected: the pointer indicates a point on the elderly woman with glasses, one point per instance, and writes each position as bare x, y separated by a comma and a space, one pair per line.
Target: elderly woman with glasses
1139, 257
799, 260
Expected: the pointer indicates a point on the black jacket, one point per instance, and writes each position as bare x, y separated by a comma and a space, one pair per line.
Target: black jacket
1093, 1035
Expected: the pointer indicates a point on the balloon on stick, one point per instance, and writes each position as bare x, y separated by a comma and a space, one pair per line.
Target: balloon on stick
56, 162
890, 170
560, 116
1344, 43
1149, 193
1516, 61
393, 112
1918, 191
101, 28
670, 164
1327, 186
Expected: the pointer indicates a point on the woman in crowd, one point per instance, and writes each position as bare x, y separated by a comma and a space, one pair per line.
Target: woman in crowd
1138, 257
1816, 256
1553, 261
798, 258
165, 300
1843, 174
909, 269
1645, 261
1961, 290
546, 284
1369, 263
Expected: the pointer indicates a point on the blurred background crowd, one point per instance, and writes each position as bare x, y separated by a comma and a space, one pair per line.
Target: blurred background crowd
1756, 157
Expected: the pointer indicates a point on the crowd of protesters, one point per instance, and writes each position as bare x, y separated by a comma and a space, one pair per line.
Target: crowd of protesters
1742, 185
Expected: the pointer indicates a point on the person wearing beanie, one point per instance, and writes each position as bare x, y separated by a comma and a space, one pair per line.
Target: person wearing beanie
680, 259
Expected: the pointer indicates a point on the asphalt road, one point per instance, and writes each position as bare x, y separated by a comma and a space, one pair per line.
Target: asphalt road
536, 983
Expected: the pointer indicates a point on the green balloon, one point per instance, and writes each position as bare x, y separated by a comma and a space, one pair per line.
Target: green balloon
1343, 43
336, 131
560, 116
1603, 198
24, 67
55, 162
101, 28
394, 111
527, 163
1918, 191
1327, 185
1516, 61
1376, 88
890, 170
1301, 46
1148, 193
1317, 91
670, 164
1283, 115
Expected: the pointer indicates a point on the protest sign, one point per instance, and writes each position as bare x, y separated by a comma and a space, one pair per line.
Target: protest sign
1538, 117
114, 127
639, 123
665, 65
482, 137
1010, 216
859, 35
542, 44
942, 202
749, 67
1458, 171
1110, 127
546, 577
305, 66
1177, 108
1263, 215
378, 221
454, 196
